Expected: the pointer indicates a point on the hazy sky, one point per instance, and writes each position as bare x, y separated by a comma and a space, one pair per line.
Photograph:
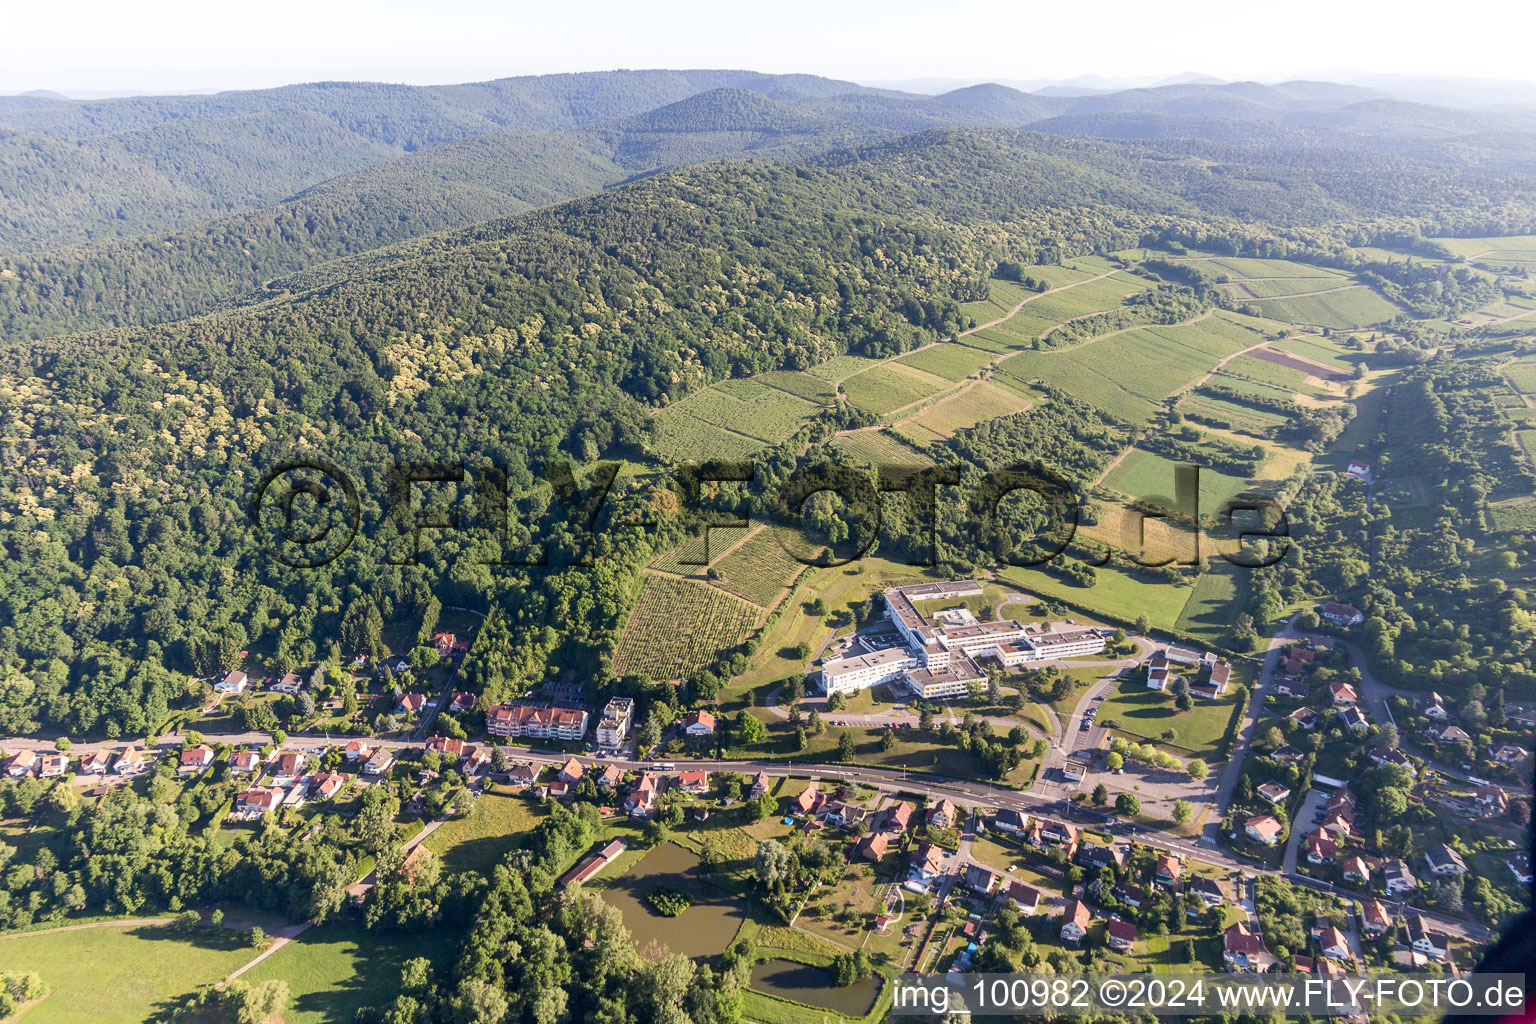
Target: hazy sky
162, 45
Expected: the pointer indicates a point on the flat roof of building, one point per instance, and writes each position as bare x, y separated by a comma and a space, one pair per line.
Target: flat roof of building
961, 670
875, 659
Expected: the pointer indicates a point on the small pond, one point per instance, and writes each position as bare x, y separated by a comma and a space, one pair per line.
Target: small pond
704, 929
805, 983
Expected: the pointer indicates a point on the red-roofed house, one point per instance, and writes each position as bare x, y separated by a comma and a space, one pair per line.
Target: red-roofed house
1122, 935
1075, 921
699, 723
695, 783
195, 759
1343, 694
1263, 828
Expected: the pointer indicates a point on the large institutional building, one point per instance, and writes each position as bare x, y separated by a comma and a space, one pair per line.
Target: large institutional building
939, 659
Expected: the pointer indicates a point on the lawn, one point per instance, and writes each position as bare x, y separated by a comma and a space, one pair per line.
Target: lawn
1144, 714
1119, 594
1146, 475
121, 974
1215, 603
334, 969
478, 843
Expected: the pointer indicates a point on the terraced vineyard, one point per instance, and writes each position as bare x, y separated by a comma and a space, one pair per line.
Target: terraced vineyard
880, 447
951, 361
758, 570
1341, 310
1041, 314
731, 419
984, 401
890, 386
680, 626
1130, 374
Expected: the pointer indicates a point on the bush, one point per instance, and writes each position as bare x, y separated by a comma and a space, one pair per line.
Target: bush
668, 900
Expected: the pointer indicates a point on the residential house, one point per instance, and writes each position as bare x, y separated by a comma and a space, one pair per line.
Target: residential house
1075, 921
51, 766
1433, 706
1342, 694
1168, 871
611, 777
523, 773
1010, 821
698, 723
195, 759
566, 779
1358, 470
1026, 897
1375, 918
1519, 864
325, 785
1130, 894
1184, 656
1241, 950
1507, 753
761, 784
1491, 800
694, 783
1354, 720
288, 765
1341, 614
1442, 860
537, 721
1357, 869
258, 800
1122, 935
379, 762
897, 817
980, 880
808, 799
873, 846
1320, 849
95, 763
1305, 719
926, 865
1382, 755
462, 703
1287, 755
1397, 877
644, 796
130, 761
22, 763
1274, 792
1159, 672
234, 681
1214, 685
1453, 734
411, 704
842, 814
614, 725
942, 814
1097, 856
1206, 890
1422, 938
245, 761
356, 750
1333, 943
290, 683
1263, 828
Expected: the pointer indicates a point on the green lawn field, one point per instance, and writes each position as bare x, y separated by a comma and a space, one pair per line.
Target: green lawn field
481, 841
121, 975
1144, 475
1143, 714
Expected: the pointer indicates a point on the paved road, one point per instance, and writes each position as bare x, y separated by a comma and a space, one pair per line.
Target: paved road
1234, 769
1302, 824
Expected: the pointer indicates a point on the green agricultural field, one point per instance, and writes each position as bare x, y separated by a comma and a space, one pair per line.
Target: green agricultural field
842, 366
1143, 714
880, 447
1144, 474
1129, 375
1319, 351
983, 402
1522, 374
1274, 288
890, 386
1476, 247
1120, 594
684, 438
806, 386
758, 570
680, 626
1244, 267
498, 825
1241, 417
1348, 308
1001, 297
1286, 379
119, 974
1049, 310
1215, 603
948, 360
335, 969
751, 407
